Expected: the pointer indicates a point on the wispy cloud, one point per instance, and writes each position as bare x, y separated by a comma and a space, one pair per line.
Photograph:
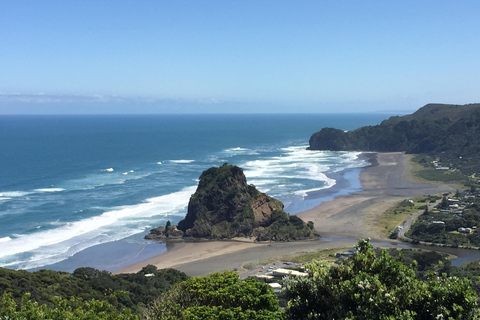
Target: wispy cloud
42, 98
42, 103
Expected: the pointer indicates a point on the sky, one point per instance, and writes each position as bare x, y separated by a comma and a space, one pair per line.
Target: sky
202, 56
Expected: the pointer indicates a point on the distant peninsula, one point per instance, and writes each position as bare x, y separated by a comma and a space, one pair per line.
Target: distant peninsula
224, 206
449, 132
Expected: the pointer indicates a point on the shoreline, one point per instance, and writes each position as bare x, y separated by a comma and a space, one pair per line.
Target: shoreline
345, 217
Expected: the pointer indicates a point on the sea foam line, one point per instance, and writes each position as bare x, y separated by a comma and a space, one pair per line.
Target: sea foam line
161, 205
181, 161
5, 239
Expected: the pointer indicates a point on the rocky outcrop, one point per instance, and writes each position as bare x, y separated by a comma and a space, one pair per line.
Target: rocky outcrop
164, 233
225, 206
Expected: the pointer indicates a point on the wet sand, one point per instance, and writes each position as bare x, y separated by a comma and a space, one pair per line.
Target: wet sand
345, 218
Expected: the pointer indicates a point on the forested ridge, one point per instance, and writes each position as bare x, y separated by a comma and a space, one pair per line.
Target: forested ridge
449, 132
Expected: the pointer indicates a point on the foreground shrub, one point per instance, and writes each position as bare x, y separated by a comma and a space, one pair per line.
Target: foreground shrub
370, 287
221, 296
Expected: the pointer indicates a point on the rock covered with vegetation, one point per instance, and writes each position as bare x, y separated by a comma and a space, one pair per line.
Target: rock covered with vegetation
451, 132
225, 206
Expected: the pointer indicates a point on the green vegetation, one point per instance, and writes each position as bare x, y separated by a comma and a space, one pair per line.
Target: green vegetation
441, 225
62, 309
224, 206
327, 255
217, 296
123, 291
426, 170
441, 175
373, 284
368, 286
395, 216
449, 133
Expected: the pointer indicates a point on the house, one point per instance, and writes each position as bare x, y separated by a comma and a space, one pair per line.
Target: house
464, 230
277, 287
280, 272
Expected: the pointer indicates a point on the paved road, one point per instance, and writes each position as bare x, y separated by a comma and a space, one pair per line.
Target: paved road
409, 221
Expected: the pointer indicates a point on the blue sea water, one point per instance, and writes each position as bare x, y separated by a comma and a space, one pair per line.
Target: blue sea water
84, 190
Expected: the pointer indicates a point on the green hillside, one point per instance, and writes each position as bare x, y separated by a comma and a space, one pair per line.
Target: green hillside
449, 132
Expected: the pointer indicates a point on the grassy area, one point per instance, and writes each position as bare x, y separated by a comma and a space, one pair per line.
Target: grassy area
327, 255
395, 216
441, 175
423, 170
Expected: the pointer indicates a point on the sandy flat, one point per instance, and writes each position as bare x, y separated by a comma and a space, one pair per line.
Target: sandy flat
348, 217
384, 184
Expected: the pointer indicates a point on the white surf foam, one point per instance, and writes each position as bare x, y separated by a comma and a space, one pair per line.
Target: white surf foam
159, 162
5, 239
15, 194
304, 193
109, 170
50, 244
240, 151
41, 190
300, 170
181, 161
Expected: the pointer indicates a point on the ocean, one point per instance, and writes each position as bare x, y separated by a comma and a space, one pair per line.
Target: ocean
81, 190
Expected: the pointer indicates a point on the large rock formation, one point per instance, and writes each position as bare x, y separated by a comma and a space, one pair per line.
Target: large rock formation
225, 206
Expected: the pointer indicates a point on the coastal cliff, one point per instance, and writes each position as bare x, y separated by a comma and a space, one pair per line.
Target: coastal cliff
450, 132
225, 206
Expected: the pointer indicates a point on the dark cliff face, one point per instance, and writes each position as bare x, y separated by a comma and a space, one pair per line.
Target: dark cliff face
225, 206
448, 131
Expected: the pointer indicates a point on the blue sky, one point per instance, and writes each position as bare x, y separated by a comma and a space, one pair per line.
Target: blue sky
236, 56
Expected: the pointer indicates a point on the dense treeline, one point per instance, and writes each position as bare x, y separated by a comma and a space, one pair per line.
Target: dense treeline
129, 290
449, 132
373, 284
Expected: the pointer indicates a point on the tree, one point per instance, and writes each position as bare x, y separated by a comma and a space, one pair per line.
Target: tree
221, 296
74, 309
444, 203
370, 287
425, 212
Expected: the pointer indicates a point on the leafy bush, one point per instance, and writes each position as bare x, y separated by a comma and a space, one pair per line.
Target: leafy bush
368, 286
217, 296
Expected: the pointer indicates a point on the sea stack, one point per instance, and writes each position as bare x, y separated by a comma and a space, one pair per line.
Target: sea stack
225, 206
